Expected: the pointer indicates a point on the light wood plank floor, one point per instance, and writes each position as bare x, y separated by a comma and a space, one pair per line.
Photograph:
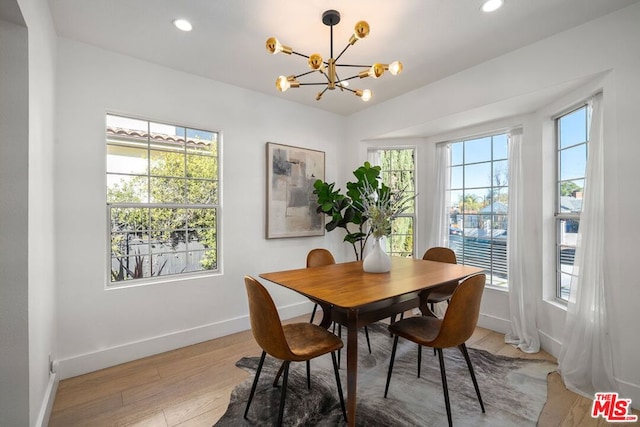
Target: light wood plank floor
191, 387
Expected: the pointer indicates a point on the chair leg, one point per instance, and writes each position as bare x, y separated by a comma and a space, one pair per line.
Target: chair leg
313, 313
393, 356
335, 370
283, 394
339, 336
278, 375
366, 334
419, 359
465, 353
255, 383
444, 386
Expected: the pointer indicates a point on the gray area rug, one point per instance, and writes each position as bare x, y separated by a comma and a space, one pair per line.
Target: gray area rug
513, 390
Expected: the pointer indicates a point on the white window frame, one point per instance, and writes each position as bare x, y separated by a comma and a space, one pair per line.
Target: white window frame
374, 159
216, 206
502, 283
561, 217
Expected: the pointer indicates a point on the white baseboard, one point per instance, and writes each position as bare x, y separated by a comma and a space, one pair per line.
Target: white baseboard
83, 363
549, 344
47, 401
494, 323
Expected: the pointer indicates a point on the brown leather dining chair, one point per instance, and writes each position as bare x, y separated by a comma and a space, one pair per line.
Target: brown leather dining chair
453, 330
317, 258
444, 292
296, 342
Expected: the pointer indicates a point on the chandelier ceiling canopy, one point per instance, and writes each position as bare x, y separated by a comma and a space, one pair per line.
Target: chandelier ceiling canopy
328, 68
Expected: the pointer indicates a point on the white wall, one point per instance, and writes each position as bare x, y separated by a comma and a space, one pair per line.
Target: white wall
602, 54
26, 169
42, 290
14, 134
99, 327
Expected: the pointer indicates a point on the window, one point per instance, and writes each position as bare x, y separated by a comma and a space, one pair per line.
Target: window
162, 199
572, 136
479, 190
398, 173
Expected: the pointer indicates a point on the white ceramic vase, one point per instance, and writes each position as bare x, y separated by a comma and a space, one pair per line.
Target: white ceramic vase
377, 261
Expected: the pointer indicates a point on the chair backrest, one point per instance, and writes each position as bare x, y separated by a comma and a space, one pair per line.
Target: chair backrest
265, 321
319, 257
440, 254
461, 316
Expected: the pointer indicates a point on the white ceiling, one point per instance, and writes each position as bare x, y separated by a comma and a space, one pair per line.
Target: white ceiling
433, 38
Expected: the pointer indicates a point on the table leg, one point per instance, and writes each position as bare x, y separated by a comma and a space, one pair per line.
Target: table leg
352, 365
326, 315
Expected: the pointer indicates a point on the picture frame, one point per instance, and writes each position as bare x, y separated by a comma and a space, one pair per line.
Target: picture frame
291, 204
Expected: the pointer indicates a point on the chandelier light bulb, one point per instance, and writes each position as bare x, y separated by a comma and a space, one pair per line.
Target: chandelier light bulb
274, 46
376, 70
396, 67
282, 83
315, 62
361, 30
365, 95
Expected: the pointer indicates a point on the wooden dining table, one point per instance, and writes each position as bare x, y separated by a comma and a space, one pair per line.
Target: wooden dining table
354, 298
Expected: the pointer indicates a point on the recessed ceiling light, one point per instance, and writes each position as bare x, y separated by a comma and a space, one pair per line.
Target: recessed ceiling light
182, 24
492, 5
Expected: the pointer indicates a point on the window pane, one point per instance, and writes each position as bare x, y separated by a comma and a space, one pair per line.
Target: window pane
477, 150
129, 219
501, 173
202, 142
169, 219
166, 163
167, 190
202, 192
121, 159
500, 150
456, 153
571, 196
202, 167
457, 174
477, 175
573, 128
127, 189
573, 162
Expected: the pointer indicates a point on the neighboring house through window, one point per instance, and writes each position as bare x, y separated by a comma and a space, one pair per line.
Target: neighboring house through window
398, 173
162, 199
479, 189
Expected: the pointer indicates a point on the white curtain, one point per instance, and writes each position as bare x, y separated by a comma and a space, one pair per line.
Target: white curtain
585, 361
522, 298
439, 235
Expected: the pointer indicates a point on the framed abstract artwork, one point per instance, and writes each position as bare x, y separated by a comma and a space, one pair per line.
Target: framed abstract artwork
291, 204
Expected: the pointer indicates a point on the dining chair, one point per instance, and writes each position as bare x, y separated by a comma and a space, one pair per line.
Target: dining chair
453, 330
444, 292
295, 342
317, 258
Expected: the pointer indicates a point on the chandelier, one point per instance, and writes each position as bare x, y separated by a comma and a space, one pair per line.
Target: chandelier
328, 68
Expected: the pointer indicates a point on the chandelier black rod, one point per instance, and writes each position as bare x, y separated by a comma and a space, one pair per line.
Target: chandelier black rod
343, 51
